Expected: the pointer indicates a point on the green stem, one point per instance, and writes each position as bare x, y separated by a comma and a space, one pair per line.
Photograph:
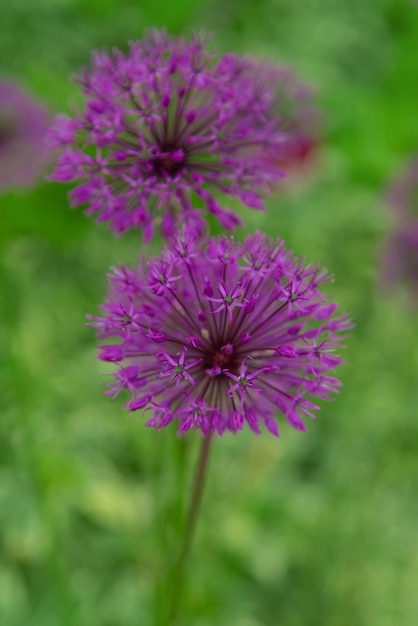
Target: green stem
170, 515
177, 579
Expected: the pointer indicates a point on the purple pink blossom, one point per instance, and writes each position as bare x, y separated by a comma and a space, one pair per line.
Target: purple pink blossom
400, 253
168, 127
302, 121
23, 126
400, 259
402, 195
218, 335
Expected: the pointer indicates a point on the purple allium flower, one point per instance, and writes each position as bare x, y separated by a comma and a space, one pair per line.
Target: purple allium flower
221, 334
400, 259
300, 119
403, 194
23, 125
168, 127
400, 253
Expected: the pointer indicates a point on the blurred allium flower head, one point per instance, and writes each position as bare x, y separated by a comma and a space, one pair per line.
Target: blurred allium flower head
221, 334
23, 126
400, 259
301, 120
402, 195
169, 127
400, 252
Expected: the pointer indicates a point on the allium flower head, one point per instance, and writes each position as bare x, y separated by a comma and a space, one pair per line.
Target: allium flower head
400, 259
400, 253
23, 125
168, 127
301, 121
221, 334
403, 194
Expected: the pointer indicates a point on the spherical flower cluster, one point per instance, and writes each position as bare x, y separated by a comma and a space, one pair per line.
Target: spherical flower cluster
400, 253
168, 127
400, 260
403, 194
23, 125
301, 120
221, 334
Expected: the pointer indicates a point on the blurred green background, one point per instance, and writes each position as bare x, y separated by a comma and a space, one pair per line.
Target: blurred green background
305, 530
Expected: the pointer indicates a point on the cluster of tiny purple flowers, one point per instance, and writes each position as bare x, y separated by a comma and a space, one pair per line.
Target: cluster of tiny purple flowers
169, 126
23, 127
400, 252
218, 334
211, 334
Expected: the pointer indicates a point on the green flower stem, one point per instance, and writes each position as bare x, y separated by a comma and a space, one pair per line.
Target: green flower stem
170, 515
177, 578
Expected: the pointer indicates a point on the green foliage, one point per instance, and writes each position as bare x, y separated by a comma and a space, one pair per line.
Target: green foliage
311, 529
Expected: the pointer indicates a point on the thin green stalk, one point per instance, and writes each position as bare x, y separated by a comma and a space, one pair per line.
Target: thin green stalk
177, 578
170, 513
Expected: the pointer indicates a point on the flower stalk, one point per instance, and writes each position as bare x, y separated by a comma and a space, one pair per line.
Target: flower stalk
177, 578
